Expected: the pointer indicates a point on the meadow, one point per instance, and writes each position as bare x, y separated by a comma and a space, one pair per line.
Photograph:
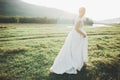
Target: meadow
27, 51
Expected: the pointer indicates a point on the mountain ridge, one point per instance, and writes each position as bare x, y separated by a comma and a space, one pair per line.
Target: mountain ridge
21, 8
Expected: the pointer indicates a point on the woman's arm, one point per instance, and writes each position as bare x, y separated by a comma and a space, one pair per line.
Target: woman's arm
78, 30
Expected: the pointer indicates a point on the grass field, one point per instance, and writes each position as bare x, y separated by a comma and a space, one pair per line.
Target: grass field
27, 51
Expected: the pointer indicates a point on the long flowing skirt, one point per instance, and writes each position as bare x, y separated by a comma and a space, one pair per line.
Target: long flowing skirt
72, 55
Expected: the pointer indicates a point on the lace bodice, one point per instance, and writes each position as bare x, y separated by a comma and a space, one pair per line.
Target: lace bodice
79, 20
81, 26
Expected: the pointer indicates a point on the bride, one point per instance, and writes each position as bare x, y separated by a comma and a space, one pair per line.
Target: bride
74, 52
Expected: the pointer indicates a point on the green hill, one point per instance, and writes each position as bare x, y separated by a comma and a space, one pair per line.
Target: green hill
20, 8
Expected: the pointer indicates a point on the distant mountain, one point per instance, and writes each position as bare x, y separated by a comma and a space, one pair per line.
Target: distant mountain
109, 21
20, 8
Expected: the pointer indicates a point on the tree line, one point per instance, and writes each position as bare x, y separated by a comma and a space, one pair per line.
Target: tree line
41, 20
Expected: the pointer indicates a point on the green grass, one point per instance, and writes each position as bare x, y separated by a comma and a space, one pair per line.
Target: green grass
27, 51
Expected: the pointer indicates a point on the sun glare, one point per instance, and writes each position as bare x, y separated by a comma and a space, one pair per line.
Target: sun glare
96, 9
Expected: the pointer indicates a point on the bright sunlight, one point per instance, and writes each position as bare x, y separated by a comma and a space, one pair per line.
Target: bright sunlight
96, 9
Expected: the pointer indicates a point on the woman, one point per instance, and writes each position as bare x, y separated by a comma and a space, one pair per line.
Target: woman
74, 52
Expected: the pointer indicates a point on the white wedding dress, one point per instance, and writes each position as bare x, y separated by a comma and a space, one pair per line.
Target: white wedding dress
73, 53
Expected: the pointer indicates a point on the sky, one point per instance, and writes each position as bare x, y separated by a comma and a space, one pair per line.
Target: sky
95, 9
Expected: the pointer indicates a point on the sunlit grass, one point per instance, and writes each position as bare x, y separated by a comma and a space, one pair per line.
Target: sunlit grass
27, 51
